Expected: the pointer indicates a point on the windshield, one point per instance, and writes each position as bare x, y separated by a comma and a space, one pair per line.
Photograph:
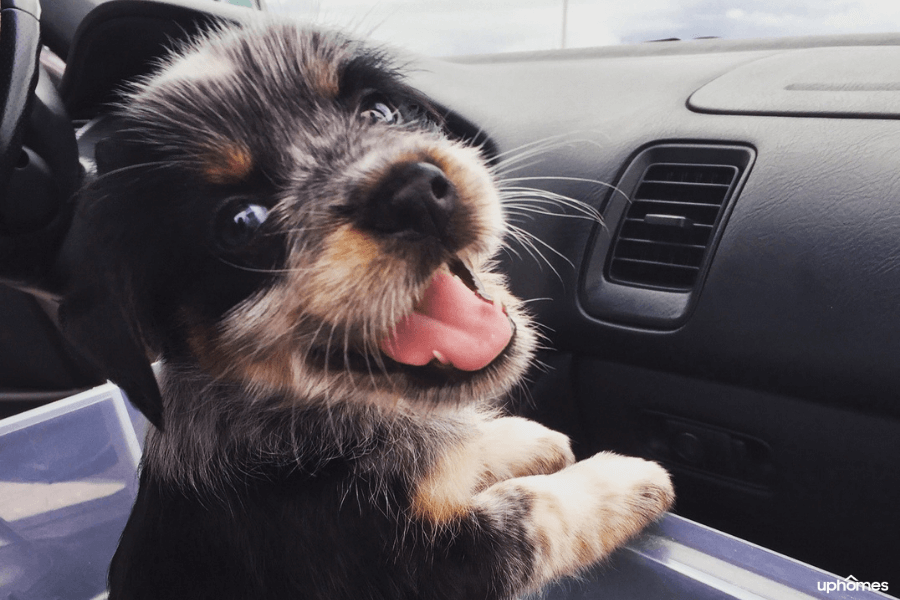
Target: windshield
455, 27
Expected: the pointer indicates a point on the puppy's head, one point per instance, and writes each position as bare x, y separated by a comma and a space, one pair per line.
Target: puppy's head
283, 211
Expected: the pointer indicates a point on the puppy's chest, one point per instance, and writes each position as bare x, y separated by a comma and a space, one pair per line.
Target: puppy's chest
292, 449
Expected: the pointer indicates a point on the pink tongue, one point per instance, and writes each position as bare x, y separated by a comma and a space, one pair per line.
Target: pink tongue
452, 324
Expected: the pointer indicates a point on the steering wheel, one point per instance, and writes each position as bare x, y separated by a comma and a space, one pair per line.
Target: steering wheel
19, 47
39, 169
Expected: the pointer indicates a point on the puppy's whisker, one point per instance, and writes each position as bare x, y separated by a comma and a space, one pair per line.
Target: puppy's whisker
327, 360
312, 343
528, 155
368, 352
516, 164
502, 182
521, 236
527, 212
347, 367
374, 351
532, 300
526, 159
542, 144
511, 191
530, 241
267, 270
509, 249
145, 166
298, 231
544, 203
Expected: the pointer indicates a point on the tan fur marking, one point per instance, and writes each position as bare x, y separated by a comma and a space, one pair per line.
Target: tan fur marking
200, 340
347, 259
229, 163
445, 494
499, 449
350, 248
323, 78
273, 369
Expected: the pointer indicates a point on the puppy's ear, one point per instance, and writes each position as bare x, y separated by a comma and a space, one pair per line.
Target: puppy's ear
107, 336
107, 261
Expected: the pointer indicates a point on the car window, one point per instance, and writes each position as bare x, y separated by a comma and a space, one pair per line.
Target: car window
455, 27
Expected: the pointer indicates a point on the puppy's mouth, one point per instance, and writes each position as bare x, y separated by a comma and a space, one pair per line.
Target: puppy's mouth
456, 324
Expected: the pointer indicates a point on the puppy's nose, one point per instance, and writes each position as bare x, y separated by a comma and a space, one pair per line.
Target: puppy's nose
413, 198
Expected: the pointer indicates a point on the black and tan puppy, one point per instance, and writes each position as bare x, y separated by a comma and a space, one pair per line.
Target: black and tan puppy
286, 224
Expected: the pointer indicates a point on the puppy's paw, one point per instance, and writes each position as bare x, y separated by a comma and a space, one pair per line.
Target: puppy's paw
579, 515
516, 447
645, 492
637, 491
620, 495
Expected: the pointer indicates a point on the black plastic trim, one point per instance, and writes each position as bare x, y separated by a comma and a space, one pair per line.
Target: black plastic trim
644, 306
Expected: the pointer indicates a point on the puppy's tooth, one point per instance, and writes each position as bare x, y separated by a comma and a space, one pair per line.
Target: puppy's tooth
440, 357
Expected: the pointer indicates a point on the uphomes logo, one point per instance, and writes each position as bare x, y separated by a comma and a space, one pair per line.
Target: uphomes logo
851, 584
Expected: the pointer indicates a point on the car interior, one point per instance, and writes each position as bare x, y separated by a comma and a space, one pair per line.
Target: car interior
734, 314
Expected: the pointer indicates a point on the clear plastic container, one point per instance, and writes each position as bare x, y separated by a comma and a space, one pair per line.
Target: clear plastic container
68, 477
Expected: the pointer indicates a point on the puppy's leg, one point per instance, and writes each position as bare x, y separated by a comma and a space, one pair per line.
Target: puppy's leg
515, 447
510, 494
576, 517
496, 449
519, 534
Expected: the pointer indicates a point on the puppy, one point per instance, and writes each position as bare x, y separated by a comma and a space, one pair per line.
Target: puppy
292, 230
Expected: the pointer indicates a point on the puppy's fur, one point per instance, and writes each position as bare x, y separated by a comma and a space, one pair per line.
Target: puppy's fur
258, 223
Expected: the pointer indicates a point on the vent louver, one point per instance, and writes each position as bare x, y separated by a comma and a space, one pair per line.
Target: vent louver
670, 224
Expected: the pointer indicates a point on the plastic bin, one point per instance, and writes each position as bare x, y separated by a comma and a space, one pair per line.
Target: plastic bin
67, 483
68, 477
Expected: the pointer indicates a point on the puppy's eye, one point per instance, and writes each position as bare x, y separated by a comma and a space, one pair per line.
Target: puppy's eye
238, 222
379, 110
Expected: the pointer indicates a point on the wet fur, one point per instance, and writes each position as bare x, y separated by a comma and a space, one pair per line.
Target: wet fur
290, 457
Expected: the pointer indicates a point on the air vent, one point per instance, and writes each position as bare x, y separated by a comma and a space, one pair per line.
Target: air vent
670, 224
649, 265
